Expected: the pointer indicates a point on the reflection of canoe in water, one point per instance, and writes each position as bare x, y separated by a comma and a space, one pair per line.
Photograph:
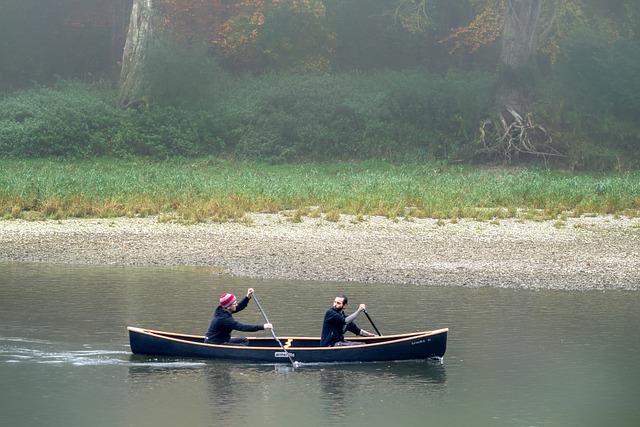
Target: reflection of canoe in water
412, 346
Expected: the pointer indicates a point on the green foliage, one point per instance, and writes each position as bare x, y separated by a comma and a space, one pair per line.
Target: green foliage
167, 131
390, 114
399, 116
69, 120
298, 117
280, 36
439, 114
74, 120
183, 74
603, 73
593, 102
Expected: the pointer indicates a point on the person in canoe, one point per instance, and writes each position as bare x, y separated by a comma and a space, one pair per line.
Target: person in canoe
336, 324
223, 323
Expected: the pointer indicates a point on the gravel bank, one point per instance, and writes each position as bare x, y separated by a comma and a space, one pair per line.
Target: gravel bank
585, 253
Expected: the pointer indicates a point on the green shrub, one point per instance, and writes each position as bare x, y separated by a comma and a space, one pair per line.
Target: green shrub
398, 116
184, 75
69, 120
166, 131
74, 120
593, 102
390, 114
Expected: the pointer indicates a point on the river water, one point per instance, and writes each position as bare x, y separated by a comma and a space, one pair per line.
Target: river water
514, 357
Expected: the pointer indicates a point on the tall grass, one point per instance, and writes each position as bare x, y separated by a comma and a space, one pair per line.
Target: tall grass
195, 191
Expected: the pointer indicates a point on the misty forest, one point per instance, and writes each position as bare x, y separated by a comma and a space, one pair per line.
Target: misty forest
498, 82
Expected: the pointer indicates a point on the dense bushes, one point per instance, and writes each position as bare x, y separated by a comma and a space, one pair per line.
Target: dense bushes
392, 115
74, 120
592, 103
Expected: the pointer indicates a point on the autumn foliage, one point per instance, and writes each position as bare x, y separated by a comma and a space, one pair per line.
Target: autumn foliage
267, 34
485, 28
258, 33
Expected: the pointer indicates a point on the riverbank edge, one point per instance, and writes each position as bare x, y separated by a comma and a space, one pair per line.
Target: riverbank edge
587, 253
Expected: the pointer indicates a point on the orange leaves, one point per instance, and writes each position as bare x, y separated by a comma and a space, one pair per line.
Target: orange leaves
259, 32
263, 28
241, 29
484, 29
257, 19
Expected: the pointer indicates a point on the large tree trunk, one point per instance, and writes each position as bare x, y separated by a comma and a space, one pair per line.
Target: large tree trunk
119, 13
519, 44
515, 131
133, 88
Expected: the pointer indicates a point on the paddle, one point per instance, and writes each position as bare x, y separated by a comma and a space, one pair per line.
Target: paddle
272, 332
372, 324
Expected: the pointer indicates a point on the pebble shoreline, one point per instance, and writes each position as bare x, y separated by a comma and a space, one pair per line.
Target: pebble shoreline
589, 253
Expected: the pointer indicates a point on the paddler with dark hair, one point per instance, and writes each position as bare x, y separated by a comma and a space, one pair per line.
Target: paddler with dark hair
336, 324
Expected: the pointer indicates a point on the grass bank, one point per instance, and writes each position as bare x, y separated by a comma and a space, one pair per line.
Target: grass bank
211, 189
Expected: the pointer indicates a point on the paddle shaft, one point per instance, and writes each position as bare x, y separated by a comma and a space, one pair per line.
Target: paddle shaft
273, 334
372, 324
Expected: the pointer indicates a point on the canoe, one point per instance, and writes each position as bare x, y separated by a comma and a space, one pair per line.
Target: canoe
411, 346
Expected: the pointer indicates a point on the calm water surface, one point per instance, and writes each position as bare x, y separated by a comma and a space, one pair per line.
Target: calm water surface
514, 358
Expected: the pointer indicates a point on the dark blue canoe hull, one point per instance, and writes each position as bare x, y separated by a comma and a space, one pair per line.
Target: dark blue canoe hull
413, 346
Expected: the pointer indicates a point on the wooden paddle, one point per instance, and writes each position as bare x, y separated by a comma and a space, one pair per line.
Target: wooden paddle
372, 324
272, 332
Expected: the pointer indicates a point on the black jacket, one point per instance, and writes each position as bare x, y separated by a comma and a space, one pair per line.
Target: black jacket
222, 323
333, 328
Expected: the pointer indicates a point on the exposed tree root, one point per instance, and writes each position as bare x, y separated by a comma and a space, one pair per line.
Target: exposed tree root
506, 140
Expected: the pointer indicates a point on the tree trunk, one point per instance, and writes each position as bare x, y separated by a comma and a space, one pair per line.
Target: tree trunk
519, 44
133, 89
119, 13
515, 131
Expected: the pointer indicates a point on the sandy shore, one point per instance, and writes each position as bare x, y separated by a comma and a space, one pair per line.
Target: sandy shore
585, 253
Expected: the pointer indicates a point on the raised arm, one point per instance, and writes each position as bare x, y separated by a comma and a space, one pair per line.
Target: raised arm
352, 317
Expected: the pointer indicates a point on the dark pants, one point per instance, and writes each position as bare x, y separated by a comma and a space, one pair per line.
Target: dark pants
238, 341
233, 341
